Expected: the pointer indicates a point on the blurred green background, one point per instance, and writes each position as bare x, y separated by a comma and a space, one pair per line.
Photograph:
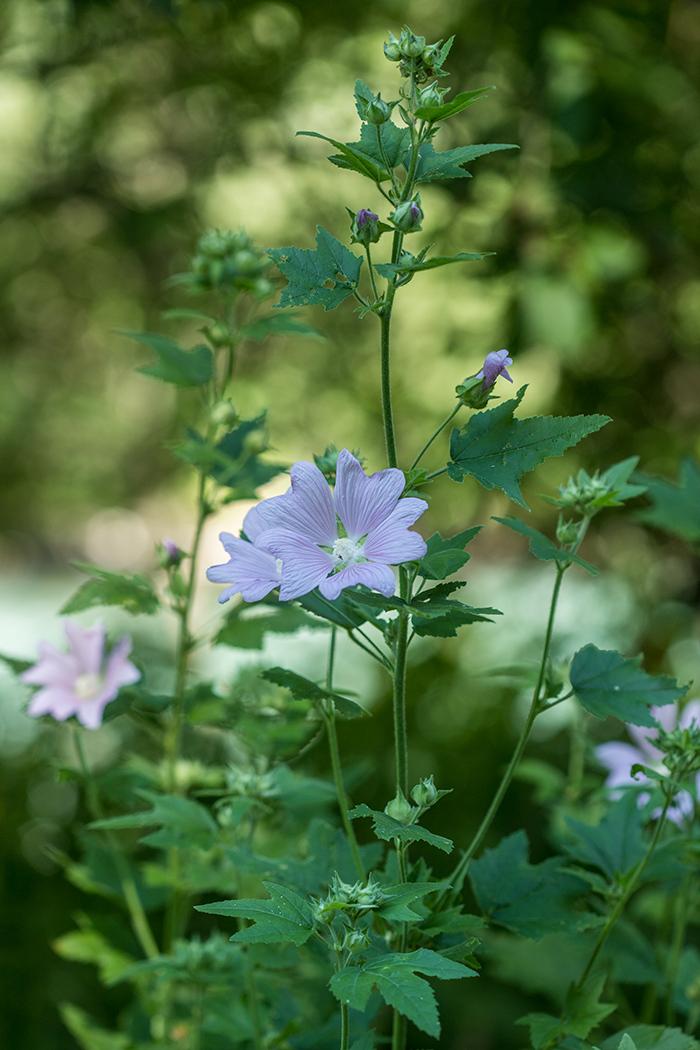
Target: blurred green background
127, 127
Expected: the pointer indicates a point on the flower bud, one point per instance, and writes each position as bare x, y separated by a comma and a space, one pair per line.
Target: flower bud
408, 216
169, 555
219, 333
410, 44
431, 95
224, 414
377, 111
366, 228
392, 51
471, 392
430, 55
355, 941
425, 793
255, 442
567, 531
399, 808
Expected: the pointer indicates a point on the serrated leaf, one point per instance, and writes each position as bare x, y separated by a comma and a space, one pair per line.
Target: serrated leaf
302, 689
394, 976
229, 462
387, 829
413, 266
651, 1037
606, 683
133, 593
88, 945
284, 918
87, 1034
309, 271
395, 142
340, 610
351, 158
182, 822
615, 844
279, 324
529, 899
458, 103
541, 546
437, 615
675, 508
497, 449
447, 164
243, 631
444, 557
174, 365
582, 1012
396, 909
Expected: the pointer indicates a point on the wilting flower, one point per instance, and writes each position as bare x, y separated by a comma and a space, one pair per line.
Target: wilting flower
82, 681
251, 572
333, 542
618, 757
494, 366
364, 216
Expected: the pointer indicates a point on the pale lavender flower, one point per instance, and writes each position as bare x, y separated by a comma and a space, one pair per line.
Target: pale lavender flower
417, 214
364, 216
618, 757
494, 366
82, 681
251, 572
352, 537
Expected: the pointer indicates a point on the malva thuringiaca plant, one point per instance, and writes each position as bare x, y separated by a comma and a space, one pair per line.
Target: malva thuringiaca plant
331, 927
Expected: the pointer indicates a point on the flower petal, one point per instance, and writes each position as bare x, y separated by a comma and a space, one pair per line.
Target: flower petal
90, 714
57, 702
304, 564
119, 671
363, 503
690, 714
306, 508
619, 758
88, 645
52, 668
253, 572
376, 577
391, 542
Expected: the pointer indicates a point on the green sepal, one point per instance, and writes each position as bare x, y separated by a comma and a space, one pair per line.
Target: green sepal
446, 556
309, 270
497, 449
174, 365
286, 918
449, 109
541, 546
133, 593
302, 689
387, 829
606, 683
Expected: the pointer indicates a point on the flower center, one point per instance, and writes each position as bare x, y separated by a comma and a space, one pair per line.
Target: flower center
347, 552
87, 686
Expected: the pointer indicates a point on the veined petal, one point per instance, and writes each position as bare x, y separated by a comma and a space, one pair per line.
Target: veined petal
306, 508
363, 503
253, 572
253, 525
304, 564
88, 645
392, 542
371, 574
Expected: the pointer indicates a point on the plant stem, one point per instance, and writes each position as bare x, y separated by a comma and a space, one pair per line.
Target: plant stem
371, 273
631, 887
398, 1032
439, 430
139, 921
252, 1000
457, 877
680, 924
344, 1026
389, 435
399, 690
328, 715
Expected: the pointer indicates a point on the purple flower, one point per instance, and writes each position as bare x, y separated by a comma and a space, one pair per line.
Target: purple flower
333, 542
249, 570
364, 216
495, 366
619, 757
416, 213
82, 681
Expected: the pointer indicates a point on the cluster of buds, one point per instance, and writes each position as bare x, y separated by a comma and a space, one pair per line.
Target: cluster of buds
415, 56
681, 748
227, 261
328, 462
351, 900
250, 784
582, 493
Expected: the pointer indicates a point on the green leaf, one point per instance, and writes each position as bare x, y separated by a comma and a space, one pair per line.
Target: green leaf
394, 976
87, 1034
16, 666
675, 508
230, 462
541, 546
174, 365
395, 141
386, 828
182, 822
582, 1012
302, 689
529, 899
340, 610
134, 593
183, 314
363, 94
279, 324
651, 1037
309, 271
606, 683
396, 908
458, 103
352, 158
614, 845
498, 449
445, 557
244, 631
88, 945
437, 615
448, 163
389, 269
284, 918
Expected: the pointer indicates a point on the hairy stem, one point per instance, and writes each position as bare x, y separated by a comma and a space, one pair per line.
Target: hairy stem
139, 921
387, 413
344, 1026
371, 273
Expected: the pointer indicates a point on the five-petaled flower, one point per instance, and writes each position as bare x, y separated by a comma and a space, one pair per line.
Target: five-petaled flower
494, 366
364, 216
82, 681
324, 541
618, 757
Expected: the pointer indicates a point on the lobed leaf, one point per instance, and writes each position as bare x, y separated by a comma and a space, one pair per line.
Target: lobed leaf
446, 556
302, 689
650, 1037
675, 508
541, 546
284, 918
310, 270
387, 829
174, 365
583, 1011
133, 593
606, 683
182, 822
243, 631
448, 164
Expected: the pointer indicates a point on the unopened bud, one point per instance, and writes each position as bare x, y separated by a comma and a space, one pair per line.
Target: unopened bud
392, 51
377, 111
224, 414
255, 442
399, 808
169, 555
430, 55
425, 793
408, 216
567, 531
471, 392
410, 44
431, 95
355, 941
366, 227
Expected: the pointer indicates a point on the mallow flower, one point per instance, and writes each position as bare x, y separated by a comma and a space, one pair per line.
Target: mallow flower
250, 571
495, 365
618, 757
82, 681
338, 541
